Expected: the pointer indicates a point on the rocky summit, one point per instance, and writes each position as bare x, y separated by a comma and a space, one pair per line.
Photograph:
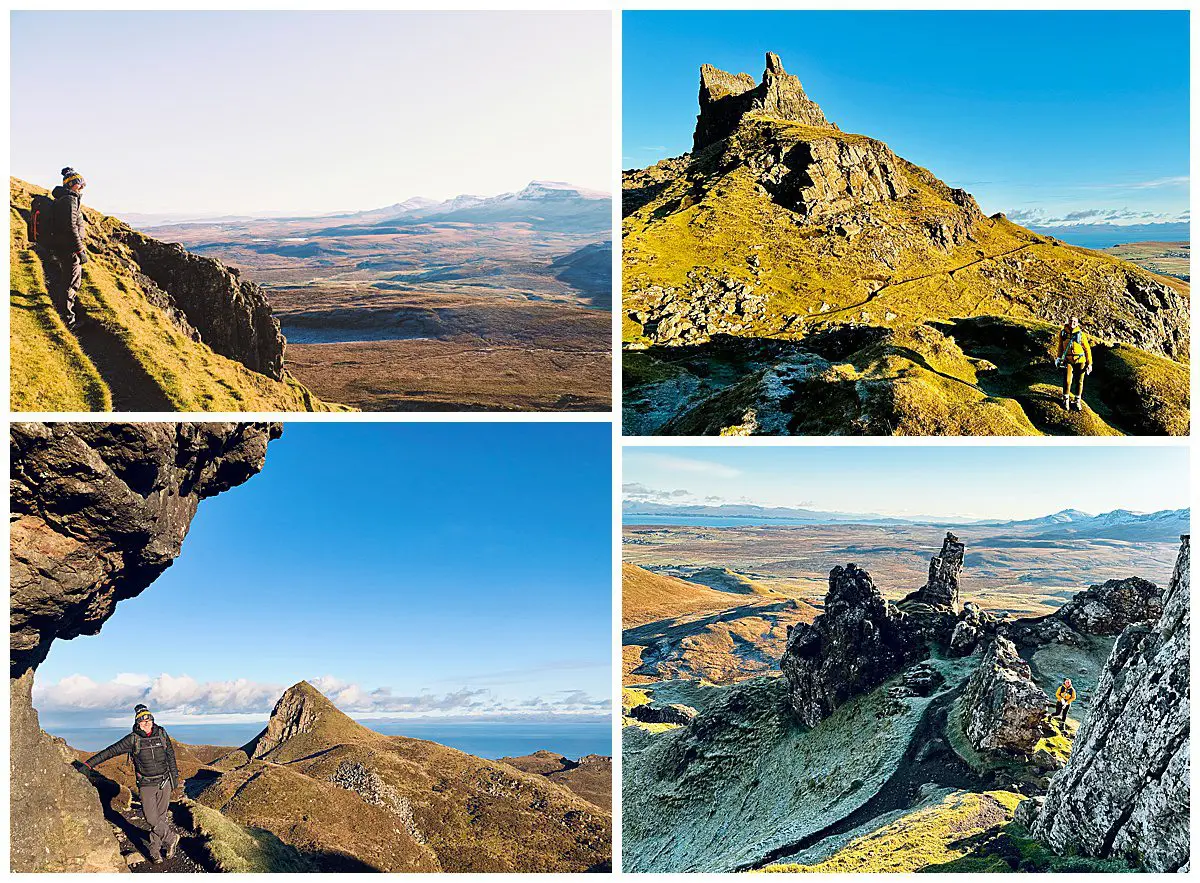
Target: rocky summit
159, 329
1126, 789
788, 277
98, 512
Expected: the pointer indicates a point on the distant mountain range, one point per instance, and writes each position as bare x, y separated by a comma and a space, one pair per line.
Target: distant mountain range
1117, 524
551, 204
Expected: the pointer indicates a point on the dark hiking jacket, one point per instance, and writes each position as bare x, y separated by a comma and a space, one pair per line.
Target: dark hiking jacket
153, 756
68, 216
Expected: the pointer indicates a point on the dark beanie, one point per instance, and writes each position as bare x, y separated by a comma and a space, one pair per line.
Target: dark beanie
70, 176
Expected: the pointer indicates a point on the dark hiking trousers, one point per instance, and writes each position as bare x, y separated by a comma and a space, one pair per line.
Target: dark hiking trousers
156, 803
1061, 710
1074, 376
64, 278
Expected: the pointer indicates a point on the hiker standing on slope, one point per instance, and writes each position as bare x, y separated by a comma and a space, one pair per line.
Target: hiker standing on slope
153, 756
60, 241
1065, 694
1075, 355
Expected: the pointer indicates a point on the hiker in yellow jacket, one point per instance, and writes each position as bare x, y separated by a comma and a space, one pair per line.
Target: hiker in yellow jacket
1075, 355
1065, 694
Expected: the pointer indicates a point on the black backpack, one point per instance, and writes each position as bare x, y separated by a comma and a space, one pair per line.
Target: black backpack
43, 221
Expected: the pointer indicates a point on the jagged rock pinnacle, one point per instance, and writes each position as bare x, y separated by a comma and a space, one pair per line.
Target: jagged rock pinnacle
725, 98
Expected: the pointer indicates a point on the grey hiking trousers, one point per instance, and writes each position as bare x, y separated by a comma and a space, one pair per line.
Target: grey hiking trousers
156, 803
64, 278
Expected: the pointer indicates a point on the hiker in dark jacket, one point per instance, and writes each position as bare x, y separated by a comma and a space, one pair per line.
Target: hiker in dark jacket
64, 260
157, 776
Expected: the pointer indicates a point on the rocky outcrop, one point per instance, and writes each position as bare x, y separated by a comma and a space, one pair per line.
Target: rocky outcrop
1002, 708
941, 588
231, 314
1126, 789
1106, 609
58, 824
298, 712
857, 643
726, 98
98, 511
826, 177
664, 714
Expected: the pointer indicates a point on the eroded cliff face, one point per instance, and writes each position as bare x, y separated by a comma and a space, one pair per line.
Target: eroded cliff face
99, 511
230, 313
1125, 790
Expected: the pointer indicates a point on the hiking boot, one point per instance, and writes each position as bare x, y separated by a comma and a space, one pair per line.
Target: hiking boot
156, 859
1066, 403
173, 845
1078, 404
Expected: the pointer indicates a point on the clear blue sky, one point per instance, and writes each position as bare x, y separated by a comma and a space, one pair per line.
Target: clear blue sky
990, 481
437, 560
243, 112
1043, 115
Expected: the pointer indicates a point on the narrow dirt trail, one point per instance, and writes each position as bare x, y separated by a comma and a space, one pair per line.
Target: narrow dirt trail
950, 273
132, 387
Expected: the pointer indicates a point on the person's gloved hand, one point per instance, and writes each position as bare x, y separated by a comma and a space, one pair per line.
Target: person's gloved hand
1058, 363
1088, 370
84, 257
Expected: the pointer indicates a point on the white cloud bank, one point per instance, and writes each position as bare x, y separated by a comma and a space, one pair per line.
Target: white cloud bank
183, 699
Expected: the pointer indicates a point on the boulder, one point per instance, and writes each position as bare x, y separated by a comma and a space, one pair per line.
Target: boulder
1125, 792
1002, 708
858, 642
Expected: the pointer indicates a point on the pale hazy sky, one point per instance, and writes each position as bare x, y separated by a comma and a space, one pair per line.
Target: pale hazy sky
241, 112
976, 481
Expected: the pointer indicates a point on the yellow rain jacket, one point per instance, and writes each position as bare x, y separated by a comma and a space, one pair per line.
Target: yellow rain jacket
1074, 346
1065, 694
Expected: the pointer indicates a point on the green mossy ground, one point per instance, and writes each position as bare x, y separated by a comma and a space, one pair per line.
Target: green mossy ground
49, 370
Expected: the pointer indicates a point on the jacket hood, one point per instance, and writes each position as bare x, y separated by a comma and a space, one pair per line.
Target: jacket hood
60, 190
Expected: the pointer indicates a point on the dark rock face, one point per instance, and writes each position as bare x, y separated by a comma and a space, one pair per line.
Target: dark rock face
1002, 708
726, 98
664, 714
98, 512
941, 589
230, 314
1105, 609
857, 643
1125, 790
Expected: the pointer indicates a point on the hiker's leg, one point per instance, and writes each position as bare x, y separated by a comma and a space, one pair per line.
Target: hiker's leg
154, 808
54, 277
1082, 374
74, 283
1066, 380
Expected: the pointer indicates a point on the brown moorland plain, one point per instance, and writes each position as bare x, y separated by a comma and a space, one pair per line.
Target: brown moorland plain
1009, 568
496, 303
590, 777
1165, 258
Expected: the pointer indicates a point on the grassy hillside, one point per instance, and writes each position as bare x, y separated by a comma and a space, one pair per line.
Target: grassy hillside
752, 306
127, 353
648, 597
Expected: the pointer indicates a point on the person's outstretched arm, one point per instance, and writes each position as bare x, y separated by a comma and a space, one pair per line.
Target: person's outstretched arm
122, 747
1087, 349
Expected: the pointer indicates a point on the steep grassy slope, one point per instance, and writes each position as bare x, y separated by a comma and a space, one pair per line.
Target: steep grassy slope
647, 597
741, 259
133, 349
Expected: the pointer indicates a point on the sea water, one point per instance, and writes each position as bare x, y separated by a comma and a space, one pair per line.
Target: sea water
490, 739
